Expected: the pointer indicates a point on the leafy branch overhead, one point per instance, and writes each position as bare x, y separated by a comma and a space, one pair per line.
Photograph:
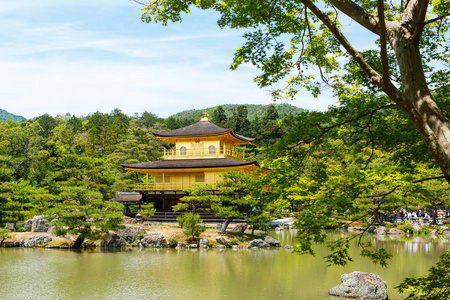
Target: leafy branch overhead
302, 42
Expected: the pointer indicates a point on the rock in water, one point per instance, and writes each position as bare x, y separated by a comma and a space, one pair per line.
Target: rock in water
34, 241
381, 230
204, 244
257, 243
273, 242
182, 246
115, 242
154, 240
130, 233
395, 231
367, 286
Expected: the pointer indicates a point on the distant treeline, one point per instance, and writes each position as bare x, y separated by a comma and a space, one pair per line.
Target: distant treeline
47, 161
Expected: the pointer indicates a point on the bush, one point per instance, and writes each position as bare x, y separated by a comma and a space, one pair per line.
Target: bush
4, 234
233, 241
190, 224
389, 225
140, 236
405, 227
173, 243
20, 229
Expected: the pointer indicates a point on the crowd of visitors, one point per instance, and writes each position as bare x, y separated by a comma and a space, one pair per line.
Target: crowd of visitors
420, 215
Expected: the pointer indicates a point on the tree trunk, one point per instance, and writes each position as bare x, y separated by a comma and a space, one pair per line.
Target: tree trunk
78, 242
225, 224
379, 218
416, 99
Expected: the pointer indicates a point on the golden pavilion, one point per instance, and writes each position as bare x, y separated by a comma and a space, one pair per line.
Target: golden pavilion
202, 152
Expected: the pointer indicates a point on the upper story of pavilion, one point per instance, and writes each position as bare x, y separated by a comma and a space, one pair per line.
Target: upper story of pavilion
203, 140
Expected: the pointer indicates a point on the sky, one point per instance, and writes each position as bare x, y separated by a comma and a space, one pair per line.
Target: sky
84, 56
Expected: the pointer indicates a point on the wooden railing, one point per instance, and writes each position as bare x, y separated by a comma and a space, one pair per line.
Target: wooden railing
202, 153
168, 186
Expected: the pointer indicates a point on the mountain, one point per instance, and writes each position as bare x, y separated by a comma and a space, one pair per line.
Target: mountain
5, 116
253, 111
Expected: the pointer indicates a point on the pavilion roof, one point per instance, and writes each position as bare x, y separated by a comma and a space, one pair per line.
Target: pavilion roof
202, 128
191, 163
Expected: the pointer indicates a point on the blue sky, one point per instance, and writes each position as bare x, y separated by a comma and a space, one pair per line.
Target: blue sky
95, 55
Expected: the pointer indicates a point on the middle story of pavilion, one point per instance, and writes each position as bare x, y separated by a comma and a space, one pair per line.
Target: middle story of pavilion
202, 152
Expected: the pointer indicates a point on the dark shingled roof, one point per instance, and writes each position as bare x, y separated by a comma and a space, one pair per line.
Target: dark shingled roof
128, 197
201, 128
191, 163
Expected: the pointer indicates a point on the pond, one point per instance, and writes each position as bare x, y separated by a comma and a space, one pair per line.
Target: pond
201, 274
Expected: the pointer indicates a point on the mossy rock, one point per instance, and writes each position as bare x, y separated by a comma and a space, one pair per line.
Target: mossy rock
56, 244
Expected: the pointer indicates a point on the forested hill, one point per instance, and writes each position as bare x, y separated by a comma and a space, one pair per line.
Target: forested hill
5, 116
254, 110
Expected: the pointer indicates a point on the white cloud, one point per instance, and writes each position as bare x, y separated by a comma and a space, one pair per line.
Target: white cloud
72, 64
34, 88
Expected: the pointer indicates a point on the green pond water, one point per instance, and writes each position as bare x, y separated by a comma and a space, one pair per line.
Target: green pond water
200, 274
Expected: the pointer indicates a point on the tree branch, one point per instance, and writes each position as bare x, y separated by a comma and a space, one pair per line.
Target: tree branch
374, 77
395, 188
435, 19
414, 14
358, 14
384, 57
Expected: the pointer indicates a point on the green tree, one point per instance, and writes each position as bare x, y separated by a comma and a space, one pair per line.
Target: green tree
236, 197
47, 124
240, 122
199, 197
83, 212
190, 224
293, 35
269, 130
149, 119
219, 117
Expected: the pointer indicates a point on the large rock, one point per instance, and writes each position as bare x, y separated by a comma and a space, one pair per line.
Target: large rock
273, 242
371, 229
115, 241
446, 234
39, 224
10, 226
130, 234
397, 232
381, 230
239, 228
367, 286
257, 243
27, 224
34, 241
182, 246
204, 244
221, 240
154, 240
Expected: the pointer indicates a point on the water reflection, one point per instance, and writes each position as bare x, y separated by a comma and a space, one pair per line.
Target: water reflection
201, 274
